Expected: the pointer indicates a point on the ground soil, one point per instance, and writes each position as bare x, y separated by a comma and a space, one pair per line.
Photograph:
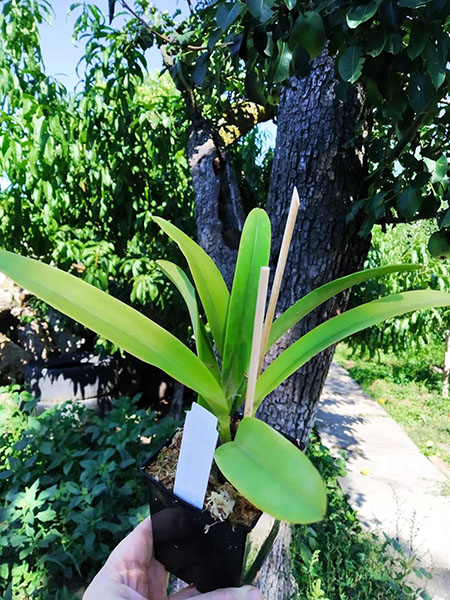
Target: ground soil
222, 499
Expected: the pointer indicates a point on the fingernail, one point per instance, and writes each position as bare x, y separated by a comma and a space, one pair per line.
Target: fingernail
254, 594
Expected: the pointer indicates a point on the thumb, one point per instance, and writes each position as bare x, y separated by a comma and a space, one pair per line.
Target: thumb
244, 593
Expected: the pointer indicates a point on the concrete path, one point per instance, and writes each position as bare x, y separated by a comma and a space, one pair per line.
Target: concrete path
392, 485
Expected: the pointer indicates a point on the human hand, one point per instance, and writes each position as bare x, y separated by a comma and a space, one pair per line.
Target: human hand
132, 573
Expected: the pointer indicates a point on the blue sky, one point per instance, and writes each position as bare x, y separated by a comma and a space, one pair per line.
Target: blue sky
61, 55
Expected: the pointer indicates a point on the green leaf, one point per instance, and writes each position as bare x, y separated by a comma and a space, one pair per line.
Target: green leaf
282, 62
115, 321
350, 64
445, 222
272, 473
254, 88
338, 328
180, 280
227, 14
439, 169
419, 92
308, 31
46, 515
208, 281
436, 65
413, 3
408, 203
254, 250
290, 4
362, 13
417, 39
201, 68
376, 40
305, 305
260, 9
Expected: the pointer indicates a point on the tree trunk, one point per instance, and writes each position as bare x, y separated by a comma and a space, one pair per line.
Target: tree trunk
218, 207
319, 150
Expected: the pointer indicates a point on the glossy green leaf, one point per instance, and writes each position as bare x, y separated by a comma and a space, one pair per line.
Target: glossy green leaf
209, 283
408, 203
115, 321
180, 280
272, 473
227, 14
340, 327
290, 4
376, 39
282, 62
436, 65
362, 13
308, 303
417, 40
419, 92
308, 31
260, 9
254, 250
350, 64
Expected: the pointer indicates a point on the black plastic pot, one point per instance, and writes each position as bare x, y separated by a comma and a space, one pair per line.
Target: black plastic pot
201, 551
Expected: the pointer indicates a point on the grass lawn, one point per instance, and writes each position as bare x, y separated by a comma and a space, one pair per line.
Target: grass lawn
409, 388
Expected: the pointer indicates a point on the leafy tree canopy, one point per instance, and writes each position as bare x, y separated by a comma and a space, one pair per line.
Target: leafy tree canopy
85, 172
229, 53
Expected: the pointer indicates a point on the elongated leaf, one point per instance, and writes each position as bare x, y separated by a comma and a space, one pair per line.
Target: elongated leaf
180, 280
227, 14
254, 250
208, 281
340, 327
283, 62
300, 309
350, 64
116, 321
272, 473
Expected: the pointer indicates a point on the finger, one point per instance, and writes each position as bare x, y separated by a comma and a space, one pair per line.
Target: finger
244, 593
187, 592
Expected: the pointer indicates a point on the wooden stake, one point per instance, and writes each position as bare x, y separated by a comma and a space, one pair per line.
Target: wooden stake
256, 342
281, 265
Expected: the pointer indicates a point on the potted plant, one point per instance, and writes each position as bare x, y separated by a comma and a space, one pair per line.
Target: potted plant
260, 464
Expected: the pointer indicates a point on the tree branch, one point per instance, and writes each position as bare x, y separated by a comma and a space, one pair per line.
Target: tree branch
240, 119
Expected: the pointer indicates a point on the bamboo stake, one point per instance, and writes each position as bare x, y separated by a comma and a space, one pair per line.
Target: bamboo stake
279, 272
256, 342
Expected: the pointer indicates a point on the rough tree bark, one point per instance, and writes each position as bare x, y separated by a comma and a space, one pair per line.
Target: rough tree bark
318, 149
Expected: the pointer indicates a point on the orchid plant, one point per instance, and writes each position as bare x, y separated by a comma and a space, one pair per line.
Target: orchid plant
263, 466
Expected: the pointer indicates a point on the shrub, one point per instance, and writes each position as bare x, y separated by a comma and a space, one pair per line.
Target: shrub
69, 491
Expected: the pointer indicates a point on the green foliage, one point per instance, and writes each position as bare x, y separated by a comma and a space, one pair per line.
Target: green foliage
397, 52
335, 559
69, 491
84, 172
406, 243
231, 322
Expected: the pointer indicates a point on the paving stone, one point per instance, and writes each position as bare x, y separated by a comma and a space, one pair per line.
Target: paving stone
395, 489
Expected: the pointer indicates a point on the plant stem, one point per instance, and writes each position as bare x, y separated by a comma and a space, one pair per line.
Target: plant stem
256, 342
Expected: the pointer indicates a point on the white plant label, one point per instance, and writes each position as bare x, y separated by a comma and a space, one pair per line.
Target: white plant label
196, 455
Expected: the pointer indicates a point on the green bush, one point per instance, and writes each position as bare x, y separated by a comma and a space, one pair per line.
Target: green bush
69, 491
404, 243
336, 560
